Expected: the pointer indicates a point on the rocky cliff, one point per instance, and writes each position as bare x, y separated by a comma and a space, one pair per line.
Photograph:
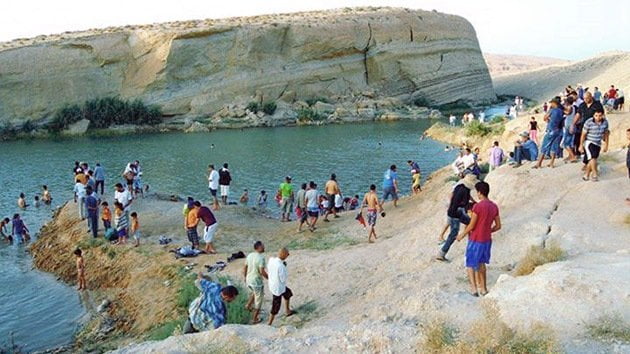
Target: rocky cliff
195, 68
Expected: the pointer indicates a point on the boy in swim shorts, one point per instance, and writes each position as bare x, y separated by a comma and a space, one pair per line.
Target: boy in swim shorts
373, 206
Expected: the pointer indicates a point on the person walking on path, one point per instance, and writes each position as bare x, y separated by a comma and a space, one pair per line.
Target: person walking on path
484, 221
286, 203
224, 182
390, 186
254, 272
213, 185
586, 110
331, 189
595, 131
99, 176
208, 311
91, 204
192, 220
208, 218
278, 275
456, 213
312, 204
374, 206
301, 207
553, 135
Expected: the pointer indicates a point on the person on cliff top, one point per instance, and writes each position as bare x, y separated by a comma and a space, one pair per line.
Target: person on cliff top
254, 272
80, 262
4, 232
91, 205
213, 185
390, 186
21, 202
208, 311
301, 210
585, 111
135, 229
106, 216
484, 221
121, 219
19, 230
224, 182
312, 205
286, 203
99, 177
595, 132
533, 129
331, 189
496, 156
192, 220
46, 197
205, 214
524, 149
456, 213
553, 135
374, 206
278, 275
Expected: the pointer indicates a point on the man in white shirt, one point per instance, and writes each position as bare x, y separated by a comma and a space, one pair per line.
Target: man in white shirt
277, 271
79, 197
468, 159
123, 197
213, 185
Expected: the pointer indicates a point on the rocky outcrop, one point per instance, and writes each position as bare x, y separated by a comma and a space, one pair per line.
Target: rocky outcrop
193, 69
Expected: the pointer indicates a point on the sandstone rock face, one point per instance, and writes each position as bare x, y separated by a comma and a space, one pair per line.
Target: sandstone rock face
194, 68
78, 128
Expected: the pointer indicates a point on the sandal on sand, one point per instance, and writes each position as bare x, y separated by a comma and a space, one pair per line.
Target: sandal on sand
475, 294
256, 322
594, 179
441, 259
291, 313
584, 178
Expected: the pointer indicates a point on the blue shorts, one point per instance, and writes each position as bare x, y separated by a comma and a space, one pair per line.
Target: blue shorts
477, 253
551, 143
313, 212
387, 191
567, 139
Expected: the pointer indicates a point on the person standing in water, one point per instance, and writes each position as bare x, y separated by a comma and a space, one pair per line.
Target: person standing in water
224, 182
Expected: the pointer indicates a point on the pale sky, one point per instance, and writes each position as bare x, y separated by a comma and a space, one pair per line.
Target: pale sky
570, 29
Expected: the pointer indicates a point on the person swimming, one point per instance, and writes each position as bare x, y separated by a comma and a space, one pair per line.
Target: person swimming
447, 148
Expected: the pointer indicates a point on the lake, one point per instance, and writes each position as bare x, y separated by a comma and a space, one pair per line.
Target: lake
43, 313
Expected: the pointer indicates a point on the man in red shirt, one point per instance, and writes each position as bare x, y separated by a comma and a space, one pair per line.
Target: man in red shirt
205, 214
612, 93
484, 221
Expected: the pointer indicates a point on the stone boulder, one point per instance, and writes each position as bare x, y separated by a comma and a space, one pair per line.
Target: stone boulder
196, 127
78, 128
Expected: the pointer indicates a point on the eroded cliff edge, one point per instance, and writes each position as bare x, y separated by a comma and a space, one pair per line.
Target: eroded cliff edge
196, 68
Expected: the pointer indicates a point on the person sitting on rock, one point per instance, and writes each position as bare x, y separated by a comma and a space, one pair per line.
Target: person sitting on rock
525, 149
209, 311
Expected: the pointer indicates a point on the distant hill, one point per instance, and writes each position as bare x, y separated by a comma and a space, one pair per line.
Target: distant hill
541, 84
506, 64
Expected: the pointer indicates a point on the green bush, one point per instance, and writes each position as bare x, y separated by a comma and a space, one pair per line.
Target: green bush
269, 108
107, 111
475, 128
236, 312
8, 131
309, 114
313, 100
28, 126
498, 119
253, 107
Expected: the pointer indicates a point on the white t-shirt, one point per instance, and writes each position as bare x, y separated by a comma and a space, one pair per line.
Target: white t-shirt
123, 198
278, 275
213, 180
312, 195
468, 160
338, 201
79, 189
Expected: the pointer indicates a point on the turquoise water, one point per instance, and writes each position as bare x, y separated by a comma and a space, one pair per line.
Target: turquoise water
44, 313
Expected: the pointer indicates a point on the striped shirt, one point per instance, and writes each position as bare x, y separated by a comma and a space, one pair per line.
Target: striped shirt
595, 131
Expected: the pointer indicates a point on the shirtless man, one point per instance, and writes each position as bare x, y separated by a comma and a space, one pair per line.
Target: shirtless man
373, 207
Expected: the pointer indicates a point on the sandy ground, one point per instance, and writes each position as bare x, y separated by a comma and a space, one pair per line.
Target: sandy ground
507, 64
380, 297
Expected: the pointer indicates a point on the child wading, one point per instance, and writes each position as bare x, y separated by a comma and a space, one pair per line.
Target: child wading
484, 221
135, 228
80, 269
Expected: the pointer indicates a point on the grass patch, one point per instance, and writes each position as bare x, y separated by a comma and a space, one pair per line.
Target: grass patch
269, 108
311, 101
165, 330
91, 242
187, 291
609, 327
309, 114
236, 312
451, 179
488, 335
475, 128
537, 256
321, 242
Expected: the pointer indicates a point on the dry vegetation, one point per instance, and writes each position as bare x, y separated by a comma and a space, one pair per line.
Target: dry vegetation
537, 256
488, 335
609, 327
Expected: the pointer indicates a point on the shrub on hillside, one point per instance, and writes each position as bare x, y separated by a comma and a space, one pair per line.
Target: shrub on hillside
309, 114
475, 128
107, 111
269, 107
253, 107
537, 256
313, 100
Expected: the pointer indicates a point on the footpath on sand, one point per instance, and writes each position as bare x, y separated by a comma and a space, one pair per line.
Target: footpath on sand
383, 297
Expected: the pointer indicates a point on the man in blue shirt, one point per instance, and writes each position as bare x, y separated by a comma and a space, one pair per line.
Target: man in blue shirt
91, 204
99, 176
525, 149
390, 185
553, 136
208, 311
